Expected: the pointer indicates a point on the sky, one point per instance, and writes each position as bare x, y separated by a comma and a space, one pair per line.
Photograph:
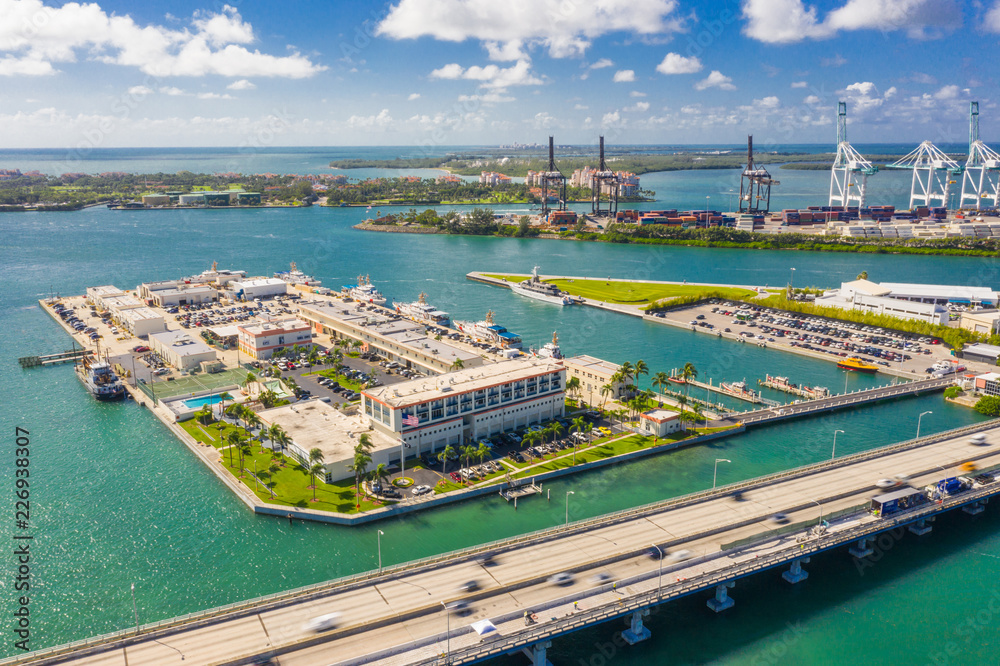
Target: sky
487, 72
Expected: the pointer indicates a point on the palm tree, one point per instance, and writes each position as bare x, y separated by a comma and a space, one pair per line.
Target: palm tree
682, 402
530, 438
661, 380
640, 369
272, 469
251, 419
315, 470
688, 372
555, 429
445, 456
579, 425
468, 451
589, 429
278, 436
365, 443
698, 413
606, 390
359, 467
625, 373
204, 415
381, 473
458, 364
483, 452
315, 460
234, 439
245, 450
573, 385
268, 398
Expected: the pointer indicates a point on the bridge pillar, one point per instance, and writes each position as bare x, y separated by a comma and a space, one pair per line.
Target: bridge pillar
975, 508
921, 527
862, 549
722, 600
536, 653
636, 632
795, 574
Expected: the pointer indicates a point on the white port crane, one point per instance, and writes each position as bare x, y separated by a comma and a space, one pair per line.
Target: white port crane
849, 176
932, 174
981, 180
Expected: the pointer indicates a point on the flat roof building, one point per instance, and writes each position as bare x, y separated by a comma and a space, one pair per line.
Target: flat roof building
181, 349
96, 295
118, 304
593, 373
141, 321
184, 294
261, 287
314, 424
467, 405
659, 422
988, 384
261, 340
987, 322
981, 353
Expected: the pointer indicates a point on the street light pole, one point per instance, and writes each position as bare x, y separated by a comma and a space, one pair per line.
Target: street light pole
715, 474
820, 510
659, 576
791, 283
918, 421
135, 609
447, 653
568, 493
834, 454
379, 537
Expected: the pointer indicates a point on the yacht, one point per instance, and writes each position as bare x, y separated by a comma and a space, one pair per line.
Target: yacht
364, 291
487, 331
100, 379
420, 311
533, 287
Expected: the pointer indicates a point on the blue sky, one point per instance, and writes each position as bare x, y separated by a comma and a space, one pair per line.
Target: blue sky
448, 72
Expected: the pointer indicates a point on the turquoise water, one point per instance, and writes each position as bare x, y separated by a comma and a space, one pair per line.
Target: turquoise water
116, 499
195, 403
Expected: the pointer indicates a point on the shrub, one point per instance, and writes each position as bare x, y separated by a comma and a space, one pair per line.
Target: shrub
988, 405
953, 392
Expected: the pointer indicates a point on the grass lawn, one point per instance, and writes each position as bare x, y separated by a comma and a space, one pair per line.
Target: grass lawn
340, 379
291, 485
212, 433
635, 293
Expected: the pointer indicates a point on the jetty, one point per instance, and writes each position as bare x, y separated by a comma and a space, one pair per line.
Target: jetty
69, 356
751, 397
782, 384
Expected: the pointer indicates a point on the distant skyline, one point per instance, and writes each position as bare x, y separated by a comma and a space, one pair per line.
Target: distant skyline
481, 72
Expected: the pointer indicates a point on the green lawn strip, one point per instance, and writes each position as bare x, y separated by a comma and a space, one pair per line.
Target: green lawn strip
214, 436
340, 379
291, 485
622, 291
509, 278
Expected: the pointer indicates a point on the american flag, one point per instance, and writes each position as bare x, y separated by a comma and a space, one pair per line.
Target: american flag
410, 420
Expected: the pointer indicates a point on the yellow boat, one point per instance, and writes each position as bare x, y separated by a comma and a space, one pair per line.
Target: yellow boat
857, 365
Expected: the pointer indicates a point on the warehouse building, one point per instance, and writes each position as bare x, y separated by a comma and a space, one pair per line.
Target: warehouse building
181, 349
981, 353
260, 287
987, 323
96, 295
141, 322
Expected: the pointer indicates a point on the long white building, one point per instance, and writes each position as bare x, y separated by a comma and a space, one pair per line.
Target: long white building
881, 299
465, 406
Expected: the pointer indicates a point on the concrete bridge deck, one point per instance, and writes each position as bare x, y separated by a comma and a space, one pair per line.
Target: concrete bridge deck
397, 618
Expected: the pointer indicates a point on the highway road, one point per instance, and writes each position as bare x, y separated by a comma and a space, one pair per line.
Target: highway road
400, 608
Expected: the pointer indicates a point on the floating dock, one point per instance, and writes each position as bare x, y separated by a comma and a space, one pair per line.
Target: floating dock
520, 489
782, 384
754, 398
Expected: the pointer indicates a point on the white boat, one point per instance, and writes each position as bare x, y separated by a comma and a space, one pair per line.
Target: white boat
550, 349
487, 331
364, 291
738, 389
295, 276
421, 312
100, 379
533, 287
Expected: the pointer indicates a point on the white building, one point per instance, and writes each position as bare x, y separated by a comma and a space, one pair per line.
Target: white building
988, 384
180, 349
261, 340
118, 304
142, 321
247, 290
981, 353
96, 295
878, 299
593, 374
987, 323
314, 424
185, 294
467, 405
659, 422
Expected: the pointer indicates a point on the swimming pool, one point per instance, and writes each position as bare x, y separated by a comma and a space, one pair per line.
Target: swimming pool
197, 403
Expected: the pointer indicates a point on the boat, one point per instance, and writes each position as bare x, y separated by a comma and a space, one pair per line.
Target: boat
295, 276
738, 389
421, 312
487, 331
855, 364
100, 379
364, 291
780, 383
550, 349
677, 379
533, 287
816, 392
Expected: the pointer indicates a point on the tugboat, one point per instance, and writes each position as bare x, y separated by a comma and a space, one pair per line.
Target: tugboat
738, 389
855, 364
100, 379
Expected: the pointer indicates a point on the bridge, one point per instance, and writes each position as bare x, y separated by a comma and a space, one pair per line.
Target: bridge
712, 539
842, 401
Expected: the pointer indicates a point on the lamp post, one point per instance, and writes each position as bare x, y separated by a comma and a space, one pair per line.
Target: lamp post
402, 458
568, 493
715, 474
447, 654
135, 609
659, 576
834, 453
918, 421
820, 510
791, 281
379, 537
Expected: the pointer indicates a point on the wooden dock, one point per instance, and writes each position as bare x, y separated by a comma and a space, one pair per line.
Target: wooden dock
754, 398
518, 489
71, 356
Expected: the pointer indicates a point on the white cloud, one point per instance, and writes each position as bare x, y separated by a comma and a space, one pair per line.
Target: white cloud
380, 120
836, 61
770, 102
413, 96
242, 84
811, 99
580, 107
636, 93
947, 92
864, 96
543, 120
140, 90
565, 29
487, 98
624, 76
212, 95
601, 64
675, 63
715, 80
789, 21
171, 90
491, 76
34, 36
638, 106
992, 18
612, 119
800, 84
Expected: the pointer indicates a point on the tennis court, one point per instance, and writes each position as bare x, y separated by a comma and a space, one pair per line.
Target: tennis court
199, 383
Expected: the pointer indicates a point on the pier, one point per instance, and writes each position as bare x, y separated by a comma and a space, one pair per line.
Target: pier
711, 540
520, 489
69, 356
753, 397
803, 392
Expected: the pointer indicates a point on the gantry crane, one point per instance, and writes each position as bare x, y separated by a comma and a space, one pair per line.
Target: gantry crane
755, 185
932, 174
981, 180
849, 176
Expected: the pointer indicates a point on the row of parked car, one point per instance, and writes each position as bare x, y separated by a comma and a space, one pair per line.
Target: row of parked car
345, 393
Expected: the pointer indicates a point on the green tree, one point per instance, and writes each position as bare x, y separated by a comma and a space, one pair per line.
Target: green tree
863, 275
444, 456
661, 381
555, 429
607, 390
988, 405
573, 385
523, 226
315, 470
458, 364
359, 468
380, 473
235, 440
204, 415
688, 372
482, 453
468, 452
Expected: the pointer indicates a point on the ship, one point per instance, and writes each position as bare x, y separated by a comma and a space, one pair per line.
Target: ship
420, 311
100, 379
295, 276
550, 349
541, 291
816, 392
856, 364
487, 331
738, 389
364, 291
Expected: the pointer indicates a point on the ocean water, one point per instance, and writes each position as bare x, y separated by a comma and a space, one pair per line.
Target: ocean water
117, 500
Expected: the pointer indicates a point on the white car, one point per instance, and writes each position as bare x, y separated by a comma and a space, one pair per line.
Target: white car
680, 555
322, 623
421, 490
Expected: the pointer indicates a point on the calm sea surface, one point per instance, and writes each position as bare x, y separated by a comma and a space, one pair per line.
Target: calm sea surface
116, 499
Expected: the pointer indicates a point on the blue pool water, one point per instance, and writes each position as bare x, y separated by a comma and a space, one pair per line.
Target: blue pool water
196, 403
